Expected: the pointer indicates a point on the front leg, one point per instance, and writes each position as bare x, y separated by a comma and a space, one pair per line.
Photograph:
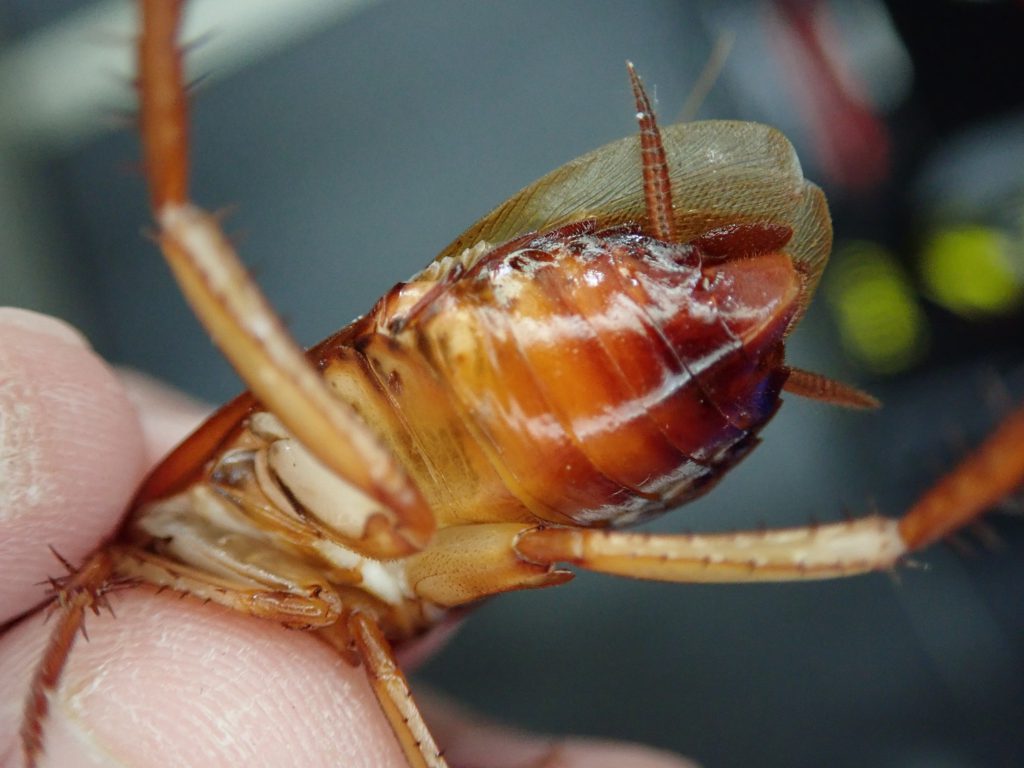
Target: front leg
170, 682
241, 322
295, 602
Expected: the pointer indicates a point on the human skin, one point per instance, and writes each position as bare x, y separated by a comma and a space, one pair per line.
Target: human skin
169, 681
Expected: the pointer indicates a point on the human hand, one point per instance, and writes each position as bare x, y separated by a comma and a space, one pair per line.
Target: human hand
172, 682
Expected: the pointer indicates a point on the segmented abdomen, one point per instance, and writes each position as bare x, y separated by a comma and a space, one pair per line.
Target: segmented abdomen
582, 376
604, 375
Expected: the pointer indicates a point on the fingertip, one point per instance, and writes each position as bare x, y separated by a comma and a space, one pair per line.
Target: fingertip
38, 324
71, 447
170, 682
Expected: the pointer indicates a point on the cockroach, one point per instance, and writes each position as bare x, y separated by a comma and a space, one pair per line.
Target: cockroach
597, 350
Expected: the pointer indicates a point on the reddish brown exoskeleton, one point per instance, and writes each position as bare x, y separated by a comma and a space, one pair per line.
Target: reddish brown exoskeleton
600, 348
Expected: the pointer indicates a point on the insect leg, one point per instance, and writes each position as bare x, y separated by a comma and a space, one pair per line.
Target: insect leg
238, 317
299, 606
467, 562
81, 590
85, 589
991, 473
393, 693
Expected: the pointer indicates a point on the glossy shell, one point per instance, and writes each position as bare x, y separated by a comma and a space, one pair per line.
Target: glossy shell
555, 363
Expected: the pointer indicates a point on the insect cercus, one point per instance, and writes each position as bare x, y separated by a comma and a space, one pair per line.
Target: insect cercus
601, 348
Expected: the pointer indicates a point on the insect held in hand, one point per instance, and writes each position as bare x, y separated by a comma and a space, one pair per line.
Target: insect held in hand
599, 349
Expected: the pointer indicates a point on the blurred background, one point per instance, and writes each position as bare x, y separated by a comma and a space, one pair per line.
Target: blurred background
353, 139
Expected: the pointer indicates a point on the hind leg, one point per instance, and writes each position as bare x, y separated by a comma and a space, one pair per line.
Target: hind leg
988, 475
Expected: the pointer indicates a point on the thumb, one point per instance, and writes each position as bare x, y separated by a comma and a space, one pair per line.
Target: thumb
71, 452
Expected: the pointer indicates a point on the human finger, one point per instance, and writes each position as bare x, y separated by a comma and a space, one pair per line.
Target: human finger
71, 452
473, 741
172, 682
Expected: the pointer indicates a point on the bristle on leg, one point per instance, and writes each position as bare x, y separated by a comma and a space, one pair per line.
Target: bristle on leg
81, 590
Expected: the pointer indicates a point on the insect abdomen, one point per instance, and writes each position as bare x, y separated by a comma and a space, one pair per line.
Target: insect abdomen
608, 375
574, 376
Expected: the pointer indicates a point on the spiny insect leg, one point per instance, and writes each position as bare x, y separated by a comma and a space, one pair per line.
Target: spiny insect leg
300, 606
81, 590
86, 588
393, 693
988, 475
241, 321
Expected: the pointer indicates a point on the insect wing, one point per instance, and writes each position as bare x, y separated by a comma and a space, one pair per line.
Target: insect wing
723, 172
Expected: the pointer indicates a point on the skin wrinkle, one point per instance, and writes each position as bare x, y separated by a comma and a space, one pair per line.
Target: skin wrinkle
251, 706
68, 439
19, 445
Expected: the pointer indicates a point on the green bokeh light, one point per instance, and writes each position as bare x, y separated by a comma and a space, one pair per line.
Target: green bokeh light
969, 270
881, 324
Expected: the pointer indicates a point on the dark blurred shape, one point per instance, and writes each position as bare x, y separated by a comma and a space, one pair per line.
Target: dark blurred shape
967, 59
